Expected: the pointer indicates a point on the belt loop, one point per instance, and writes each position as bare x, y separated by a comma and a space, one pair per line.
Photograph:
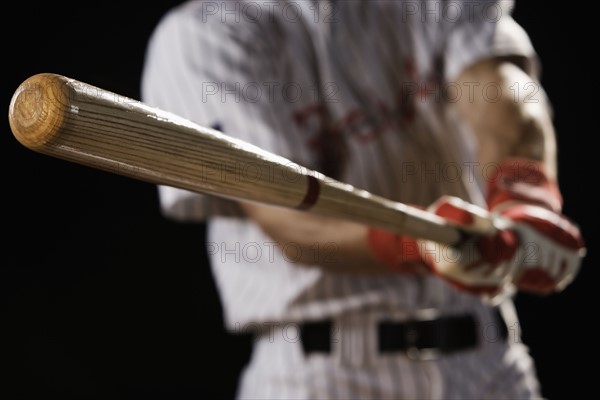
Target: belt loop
411, 335
357, 339
337, 341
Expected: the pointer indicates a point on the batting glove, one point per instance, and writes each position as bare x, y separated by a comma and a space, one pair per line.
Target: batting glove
533, 246
552, 246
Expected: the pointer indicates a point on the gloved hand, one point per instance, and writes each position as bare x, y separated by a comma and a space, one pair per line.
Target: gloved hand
552, 246
533, 245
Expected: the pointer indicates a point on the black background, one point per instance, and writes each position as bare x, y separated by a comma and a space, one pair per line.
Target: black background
104, 298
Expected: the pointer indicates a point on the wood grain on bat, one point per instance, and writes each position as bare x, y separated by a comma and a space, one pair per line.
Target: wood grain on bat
84, 124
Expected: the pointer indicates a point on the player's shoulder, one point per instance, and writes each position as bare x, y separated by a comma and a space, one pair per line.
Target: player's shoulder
203, 21
181, 17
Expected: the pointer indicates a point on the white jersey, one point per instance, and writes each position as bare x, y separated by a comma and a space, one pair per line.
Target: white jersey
276, 74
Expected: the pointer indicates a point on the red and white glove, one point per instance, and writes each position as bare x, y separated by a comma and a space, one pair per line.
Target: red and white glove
551, 245
532, 245
481, 264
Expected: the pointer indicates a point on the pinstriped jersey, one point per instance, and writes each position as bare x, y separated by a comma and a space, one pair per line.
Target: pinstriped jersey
359, 90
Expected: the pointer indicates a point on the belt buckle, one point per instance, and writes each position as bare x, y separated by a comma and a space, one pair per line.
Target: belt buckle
411, 336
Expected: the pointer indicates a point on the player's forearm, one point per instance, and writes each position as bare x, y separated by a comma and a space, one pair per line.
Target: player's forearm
514, 123
313, 240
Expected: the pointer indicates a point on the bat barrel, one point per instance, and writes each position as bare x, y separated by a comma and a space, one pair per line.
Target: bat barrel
81, 123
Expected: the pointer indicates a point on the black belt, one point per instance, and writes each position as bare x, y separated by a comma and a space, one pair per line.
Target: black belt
419, 338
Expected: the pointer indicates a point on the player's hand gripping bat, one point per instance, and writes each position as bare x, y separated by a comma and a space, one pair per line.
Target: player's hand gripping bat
84, 124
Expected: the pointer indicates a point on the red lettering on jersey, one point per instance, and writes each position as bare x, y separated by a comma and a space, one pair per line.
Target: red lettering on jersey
368, 124
312, 112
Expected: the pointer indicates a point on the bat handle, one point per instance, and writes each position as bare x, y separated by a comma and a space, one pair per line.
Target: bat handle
480, 222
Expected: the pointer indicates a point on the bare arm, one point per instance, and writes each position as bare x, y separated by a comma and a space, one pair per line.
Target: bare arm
326, 242
508, 127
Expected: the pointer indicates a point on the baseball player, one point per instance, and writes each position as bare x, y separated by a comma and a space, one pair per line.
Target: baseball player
431, 103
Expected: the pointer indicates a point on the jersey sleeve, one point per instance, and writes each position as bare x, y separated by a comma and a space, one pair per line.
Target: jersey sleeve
486, 29
215, 73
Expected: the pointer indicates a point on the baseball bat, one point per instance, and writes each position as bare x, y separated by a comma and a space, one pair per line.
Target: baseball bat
81, 123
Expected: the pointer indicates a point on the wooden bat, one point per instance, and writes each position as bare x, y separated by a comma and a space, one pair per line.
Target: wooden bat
84, 124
